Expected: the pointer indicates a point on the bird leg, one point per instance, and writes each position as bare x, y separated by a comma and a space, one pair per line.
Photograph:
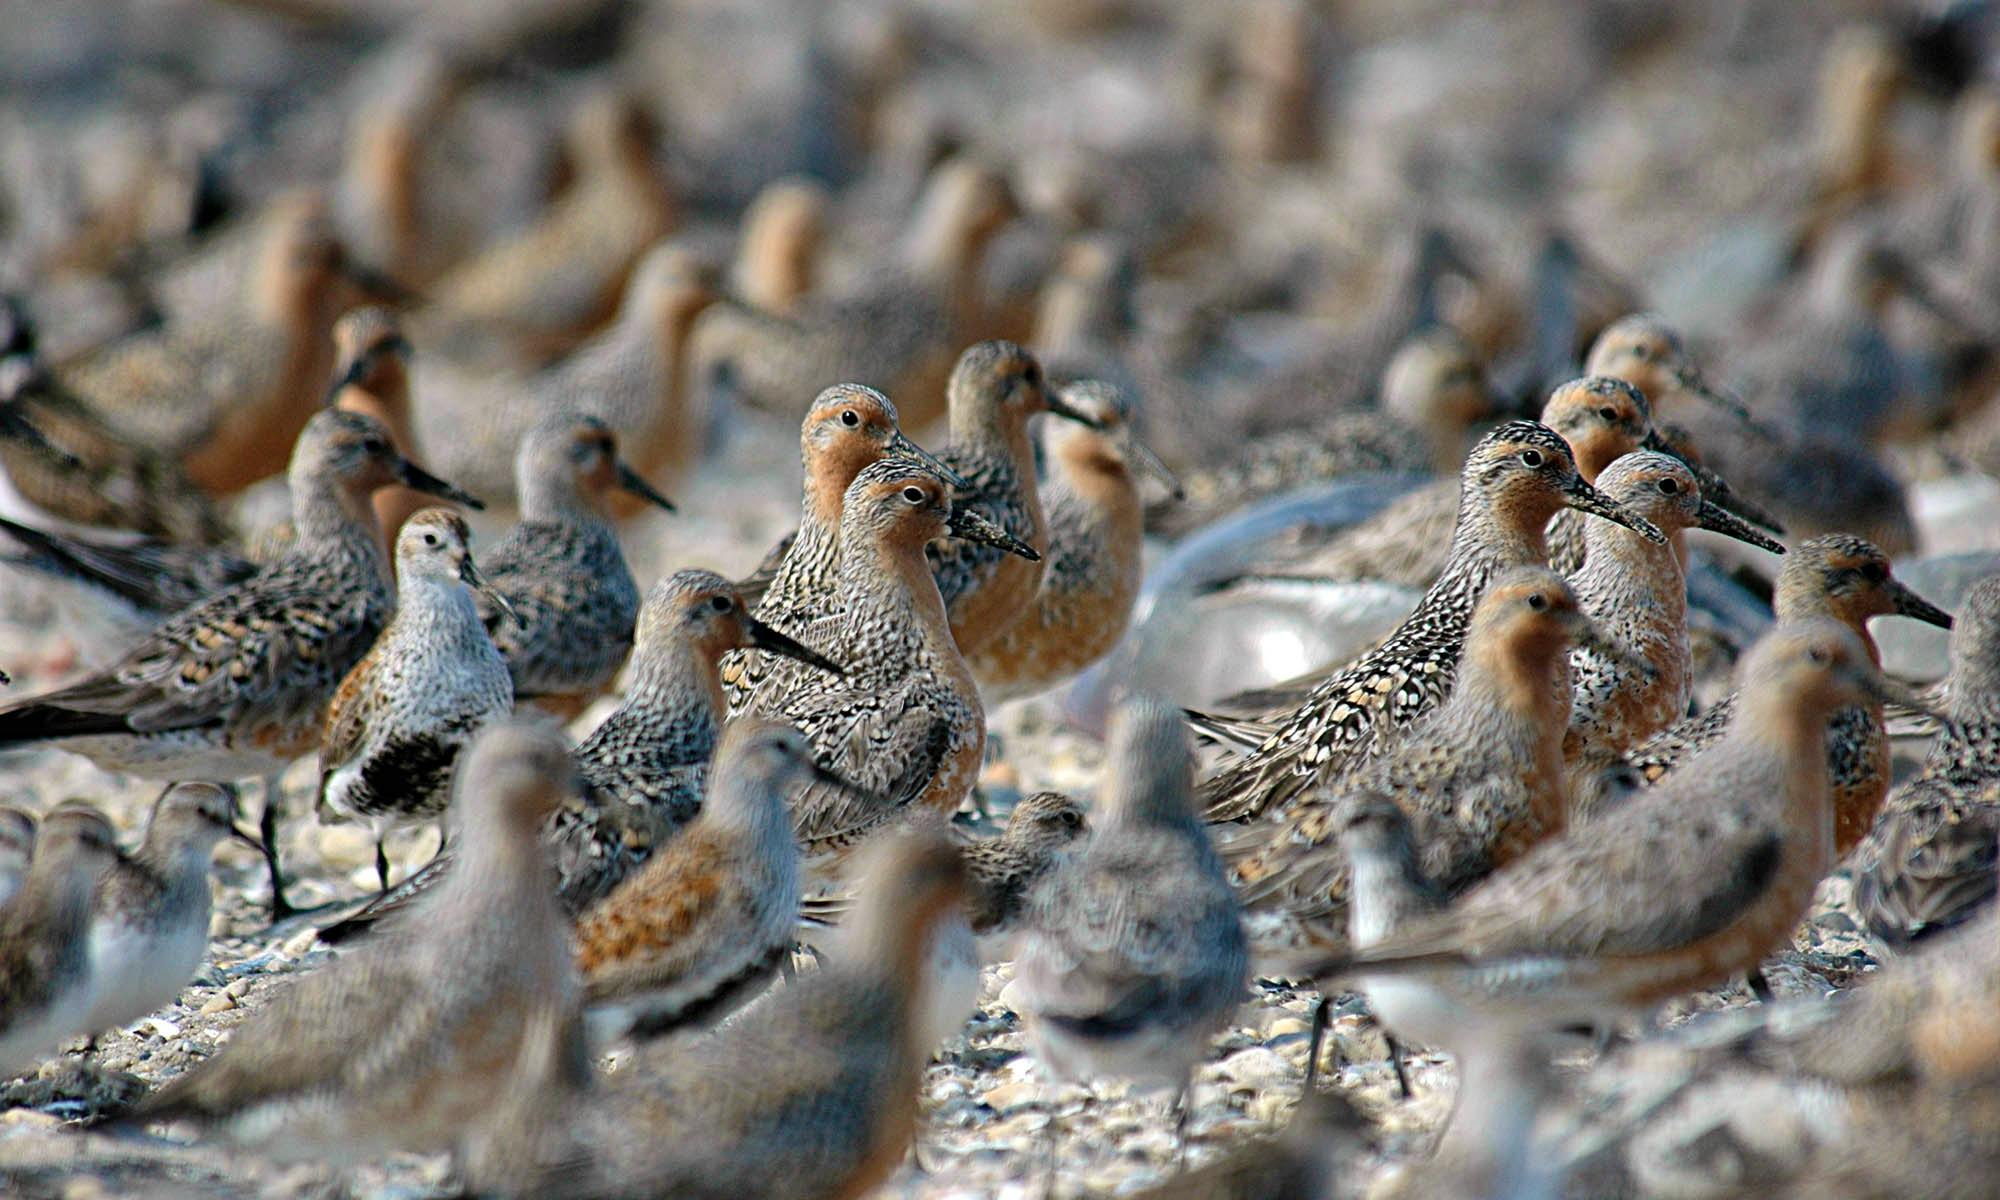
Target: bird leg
1049, 1151
1183, 1111
1322, 1017
1396, 1061
381, 864
267, 829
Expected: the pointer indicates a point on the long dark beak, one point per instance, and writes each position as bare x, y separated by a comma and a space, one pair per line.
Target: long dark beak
635, 483
764, 637
1070, 412
835, 779
415, 477
1717, 519
1909, 604
1585, 498
1152, 464
902, 445
15, 426
1714, 487
1884, 690
469, 574
967, 524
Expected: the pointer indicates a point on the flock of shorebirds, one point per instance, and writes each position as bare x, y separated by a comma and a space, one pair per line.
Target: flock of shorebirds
709, 949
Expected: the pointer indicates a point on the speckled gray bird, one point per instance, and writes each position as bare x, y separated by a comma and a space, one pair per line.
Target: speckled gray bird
1134, 953
1514, 480
45, 967
1930, 862
995, 389
403, 1044
904, 722
574, 602
1481, 776
645, 767
236, 686
1843, 578
399, 720
848, 427
149, 928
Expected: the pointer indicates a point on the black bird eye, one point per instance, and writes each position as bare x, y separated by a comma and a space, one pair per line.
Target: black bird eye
1531, 458
1608, 413
849, 417
430, 539
375, 445
1875, 572
1072, 819
721, 604
1670, 487
914, 495
1537, 601
1819, 655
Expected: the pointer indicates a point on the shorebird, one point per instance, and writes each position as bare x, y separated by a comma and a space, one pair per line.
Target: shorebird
646, 766
560, 569
1481, 776
897, 328
244, 375
235, 686
705, 925
1092, 574
101, 481
45, 966
1682, 885
17, 850
811, 1093
1886, 1089
904, 722
371, 375
1431, 392
629, 376
1515, 479
547, 288
431, 681
995, 389
149, 927
1001, 875
1133, 953
777, 256
404, 1044
1842, 578
1930, 862
1636, 593
848, 427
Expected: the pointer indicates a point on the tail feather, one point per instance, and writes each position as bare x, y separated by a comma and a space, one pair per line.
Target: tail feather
38, 722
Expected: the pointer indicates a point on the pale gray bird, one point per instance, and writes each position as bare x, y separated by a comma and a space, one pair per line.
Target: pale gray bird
561, 570
429, 684
45, 975
1134, 952
403, 1044
149, 928
17, 850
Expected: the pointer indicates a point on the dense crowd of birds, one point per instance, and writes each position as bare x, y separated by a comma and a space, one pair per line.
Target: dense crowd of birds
1626, 719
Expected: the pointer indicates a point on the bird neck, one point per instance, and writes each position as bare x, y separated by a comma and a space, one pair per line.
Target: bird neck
891, 599
1809, 603
325, 516
1094, 472
57, 892
1499, 535
1618, 563
436, 612
555, 498
678, 683
751, 808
